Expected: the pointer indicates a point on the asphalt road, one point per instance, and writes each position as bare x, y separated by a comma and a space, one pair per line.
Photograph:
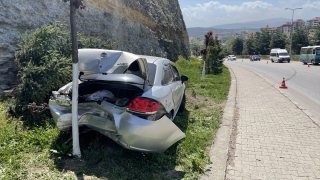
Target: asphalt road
303, 82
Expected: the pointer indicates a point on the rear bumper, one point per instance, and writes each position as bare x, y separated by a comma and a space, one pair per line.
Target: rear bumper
127, 130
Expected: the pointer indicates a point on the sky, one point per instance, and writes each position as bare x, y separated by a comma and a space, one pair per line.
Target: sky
206, 13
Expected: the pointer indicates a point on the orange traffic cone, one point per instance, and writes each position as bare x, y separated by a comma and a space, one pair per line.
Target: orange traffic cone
308, 65
283, 84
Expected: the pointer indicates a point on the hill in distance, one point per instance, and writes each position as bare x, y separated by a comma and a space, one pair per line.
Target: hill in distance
251, 26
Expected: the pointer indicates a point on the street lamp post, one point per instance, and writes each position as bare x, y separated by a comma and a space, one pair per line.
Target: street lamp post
291, 28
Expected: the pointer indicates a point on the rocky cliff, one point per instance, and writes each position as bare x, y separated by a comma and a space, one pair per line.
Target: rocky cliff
150, 27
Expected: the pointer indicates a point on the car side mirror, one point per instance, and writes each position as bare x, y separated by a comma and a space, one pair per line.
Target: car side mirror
184, 78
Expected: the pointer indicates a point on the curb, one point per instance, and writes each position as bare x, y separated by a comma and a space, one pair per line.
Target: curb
220, 147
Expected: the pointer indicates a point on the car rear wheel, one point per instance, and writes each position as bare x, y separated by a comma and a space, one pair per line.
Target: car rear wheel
183, 104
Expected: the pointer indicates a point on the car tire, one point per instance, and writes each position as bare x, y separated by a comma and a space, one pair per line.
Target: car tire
272, 60
288, 61
183, 104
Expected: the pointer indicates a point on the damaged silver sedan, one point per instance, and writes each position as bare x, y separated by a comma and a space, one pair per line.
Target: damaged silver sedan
129, 98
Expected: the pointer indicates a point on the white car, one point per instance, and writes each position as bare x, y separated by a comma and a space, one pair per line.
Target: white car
129, 98
232, 58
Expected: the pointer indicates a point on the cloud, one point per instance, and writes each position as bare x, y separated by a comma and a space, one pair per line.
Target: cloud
216, 13
312, 5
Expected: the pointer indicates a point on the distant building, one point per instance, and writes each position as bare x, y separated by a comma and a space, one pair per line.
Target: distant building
250, 35
270, 29
285, 28
298, 24
313, 22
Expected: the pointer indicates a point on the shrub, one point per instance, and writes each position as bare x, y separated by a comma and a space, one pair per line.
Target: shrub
44, 63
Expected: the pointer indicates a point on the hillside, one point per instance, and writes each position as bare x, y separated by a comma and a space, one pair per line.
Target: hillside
150, 27
252, 26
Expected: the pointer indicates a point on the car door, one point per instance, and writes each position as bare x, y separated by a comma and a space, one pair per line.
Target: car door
171, 79
177, 87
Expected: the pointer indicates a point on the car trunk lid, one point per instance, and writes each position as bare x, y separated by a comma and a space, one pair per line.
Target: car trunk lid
100, 61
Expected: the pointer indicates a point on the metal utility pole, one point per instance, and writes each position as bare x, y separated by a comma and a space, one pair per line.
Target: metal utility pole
291, 28
75, 71
74, 5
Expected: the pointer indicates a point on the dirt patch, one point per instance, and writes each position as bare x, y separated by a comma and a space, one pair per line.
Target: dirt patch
233, 138
200, 100
73, 164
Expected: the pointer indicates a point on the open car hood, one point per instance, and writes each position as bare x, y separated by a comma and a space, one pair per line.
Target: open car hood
101, 61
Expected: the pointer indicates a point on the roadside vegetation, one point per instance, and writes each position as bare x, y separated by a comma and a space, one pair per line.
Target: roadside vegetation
31, 147
43, 61
262, 42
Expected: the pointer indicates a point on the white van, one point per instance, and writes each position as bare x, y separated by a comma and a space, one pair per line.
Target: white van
279, 55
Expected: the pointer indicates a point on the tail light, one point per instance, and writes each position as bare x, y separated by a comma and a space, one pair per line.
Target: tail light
143, 105
146, 108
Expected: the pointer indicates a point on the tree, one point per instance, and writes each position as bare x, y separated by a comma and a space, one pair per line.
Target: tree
278, 40
237, 46
195, 48
212, 54
299, 39
227, 46
249, 45
264, 42
315, 39
215, 55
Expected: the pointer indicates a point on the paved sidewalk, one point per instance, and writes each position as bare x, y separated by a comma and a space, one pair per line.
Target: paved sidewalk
272, 138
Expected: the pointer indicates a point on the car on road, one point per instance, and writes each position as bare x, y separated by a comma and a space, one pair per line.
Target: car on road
232, 58
132, 99
255, 58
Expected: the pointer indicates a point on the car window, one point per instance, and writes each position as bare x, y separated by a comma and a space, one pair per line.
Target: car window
152, 72
167, 77
176, 75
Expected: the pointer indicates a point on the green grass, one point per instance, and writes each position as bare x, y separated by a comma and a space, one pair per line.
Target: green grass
28, 152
